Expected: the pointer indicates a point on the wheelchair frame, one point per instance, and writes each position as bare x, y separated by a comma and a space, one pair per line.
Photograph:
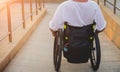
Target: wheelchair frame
95, 52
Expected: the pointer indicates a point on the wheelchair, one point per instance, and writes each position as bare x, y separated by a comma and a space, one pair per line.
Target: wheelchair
59, 44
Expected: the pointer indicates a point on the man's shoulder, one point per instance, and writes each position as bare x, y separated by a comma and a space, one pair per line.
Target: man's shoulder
93, 2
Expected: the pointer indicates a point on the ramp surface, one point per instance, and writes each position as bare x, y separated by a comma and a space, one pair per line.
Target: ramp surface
37, 54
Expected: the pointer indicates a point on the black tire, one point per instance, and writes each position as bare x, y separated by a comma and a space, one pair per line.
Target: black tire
57, 50
95, 57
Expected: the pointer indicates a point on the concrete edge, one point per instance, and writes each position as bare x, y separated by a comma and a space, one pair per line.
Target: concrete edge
113, 25
9, 56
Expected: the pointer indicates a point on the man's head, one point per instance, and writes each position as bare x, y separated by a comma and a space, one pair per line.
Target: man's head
80, 0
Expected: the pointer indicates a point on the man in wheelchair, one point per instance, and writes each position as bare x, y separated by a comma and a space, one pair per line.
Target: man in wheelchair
77, 18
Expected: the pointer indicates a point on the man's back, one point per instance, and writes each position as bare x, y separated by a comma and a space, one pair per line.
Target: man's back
78, 14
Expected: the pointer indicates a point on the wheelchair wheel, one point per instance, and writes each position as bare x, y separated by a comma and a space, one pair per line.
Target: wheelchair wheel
57, 50
95, 57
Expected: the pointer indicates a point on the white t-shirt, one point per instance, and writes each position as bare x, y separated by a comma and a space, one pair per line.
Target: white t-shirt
77, 14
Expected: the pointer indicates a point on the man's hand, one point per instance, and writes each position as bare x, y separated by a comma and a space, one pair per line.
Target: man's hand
97, 31
53, 32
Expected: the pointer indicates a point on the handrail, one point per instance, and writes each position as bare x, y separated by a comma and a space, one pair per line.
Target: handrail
22, 22
109, 2
6, 1
118, 8
2, 5
113, 4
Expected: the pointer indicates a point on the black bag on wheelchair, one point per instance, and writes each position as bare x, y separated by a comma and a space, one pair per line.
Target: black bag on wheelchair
77, 41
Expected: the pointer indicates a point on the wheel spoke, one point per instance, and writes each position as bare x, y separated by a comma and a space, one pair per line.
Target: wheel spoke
57, 51
95, 53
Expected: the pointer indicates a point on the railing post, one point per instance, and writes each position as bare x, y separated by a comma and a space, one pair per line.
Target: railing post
98, 1
43, 3
31, 10
23, 14
39, 4
9, 22
36, 7
105, 2
114, 6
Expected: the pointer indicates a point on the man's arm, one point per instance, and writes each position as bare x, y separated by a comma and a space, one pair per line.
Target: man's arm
99, 20
57, 21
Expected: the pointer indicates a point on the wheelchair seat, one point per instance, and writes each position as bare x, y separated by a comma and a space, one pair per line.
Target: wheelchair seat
77, 42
